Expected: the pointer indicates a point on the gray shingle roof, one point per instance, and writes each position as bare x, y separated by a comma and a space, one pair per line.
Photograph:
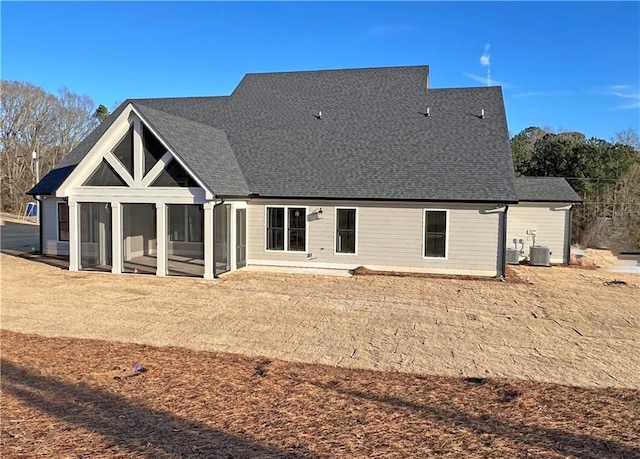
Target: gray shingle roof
373, 141
545, 189
51, 181
205, 149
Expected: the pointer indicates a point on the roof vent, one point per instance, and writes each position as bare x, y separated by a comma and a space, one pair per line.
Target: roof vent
482, 114
428, 113
320, 115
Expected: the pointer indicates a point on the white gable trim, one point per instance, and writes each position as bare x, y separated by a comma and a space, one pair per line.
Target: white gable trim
138, 160
119, 168
105, 144
94, 156
157, 170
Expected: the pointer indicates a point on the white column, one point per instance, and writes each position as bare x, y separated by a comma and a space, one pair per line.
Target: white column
74, 236
138, 153
209, 240
233, 243
161, 238
116, 237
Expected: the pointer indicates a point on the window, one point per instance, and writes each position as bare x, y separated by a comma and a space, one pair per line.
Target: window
275, 228
104, 175
174, 176
63, 221
297, 228
124, 151
153, 149
185, 223
345, 230
294, 220
435, 233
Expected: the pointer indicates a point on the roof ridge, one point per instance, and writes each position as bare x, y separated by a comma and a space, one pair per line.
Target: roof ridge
177, 98
458, 88
538, 177
350, 69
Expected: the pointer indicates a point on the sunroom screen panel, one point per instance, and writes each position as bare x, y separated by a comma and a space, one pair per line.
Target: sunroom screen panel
104, 175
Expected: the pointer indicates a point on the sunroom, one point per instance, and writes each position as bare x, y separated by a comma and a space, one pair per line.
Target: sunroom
134, 204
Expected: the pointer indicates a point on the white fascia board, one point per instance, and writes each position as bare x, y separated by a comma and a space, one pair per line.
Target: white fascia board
94, 156
208, 192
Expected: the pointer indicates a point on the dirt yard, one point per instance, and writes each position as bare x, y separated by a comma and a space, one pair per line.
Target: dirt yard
65, 397
70, 397
562, 325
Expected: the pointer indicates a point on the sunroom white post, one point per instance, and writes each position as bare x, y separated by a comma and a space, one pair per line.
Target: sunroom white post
209, 241
74, 236
138, 153
161, 236
231, 238
116, 237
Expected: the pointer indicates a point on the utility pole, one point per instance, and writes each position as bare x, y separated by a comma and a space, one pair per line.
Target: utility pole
36, 163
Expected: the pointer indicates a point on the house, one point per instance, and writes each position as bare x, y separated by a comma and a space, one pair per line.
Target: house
329, 169
544, 209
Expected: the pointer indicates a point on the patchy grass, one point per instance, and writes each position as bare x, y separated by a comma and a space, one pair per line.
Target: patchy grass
64, 397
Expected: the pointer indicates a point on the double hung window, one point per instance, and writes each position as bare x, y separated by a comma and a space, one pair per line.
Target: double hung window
287, 229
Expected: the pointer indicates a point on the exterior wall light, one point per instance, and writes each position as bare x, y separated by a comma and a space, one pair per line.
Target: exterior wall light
318, 213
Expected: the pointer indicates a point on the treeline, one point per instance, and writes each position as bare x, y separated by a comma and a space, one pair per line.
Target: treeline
32, 119
606, 174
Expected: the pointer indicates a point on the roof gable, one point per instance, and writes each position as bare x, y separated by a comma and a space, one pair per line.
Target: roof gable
205, 149
373, 140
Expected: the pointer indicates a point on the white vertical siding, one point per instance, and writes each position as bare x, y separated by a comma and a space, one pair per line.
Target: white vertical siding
49, 228
390, 236
551, 222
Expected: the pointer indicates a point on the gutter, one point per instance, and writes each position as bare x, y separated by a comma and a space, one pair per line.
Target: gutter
417, 200
567, 249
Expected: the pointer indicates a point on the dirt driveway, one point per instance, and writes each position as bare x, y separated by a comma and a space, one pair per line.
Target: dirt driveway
565, 326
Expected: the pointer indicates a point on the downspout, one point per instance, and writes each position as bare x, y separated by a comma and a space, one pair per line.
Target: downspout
39, 221
215, 263
567, 249
503, 253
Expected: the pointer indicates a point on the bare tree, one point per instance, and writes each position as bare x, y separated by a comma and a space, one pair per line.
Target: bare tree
629, 137
33, 120
73, 123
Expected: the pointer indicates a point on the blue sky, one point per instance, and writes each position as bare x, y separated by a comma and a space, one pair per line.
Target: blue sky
566, 65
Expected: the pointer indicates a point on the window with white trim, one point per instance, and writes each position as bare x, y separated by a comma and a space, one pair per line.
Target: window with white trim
275, 228
435, 233
345, 230
286, 229
63, 222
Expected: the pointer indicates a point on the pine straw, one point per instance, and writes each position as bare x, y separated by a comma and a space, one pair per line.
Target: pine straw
67, 398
